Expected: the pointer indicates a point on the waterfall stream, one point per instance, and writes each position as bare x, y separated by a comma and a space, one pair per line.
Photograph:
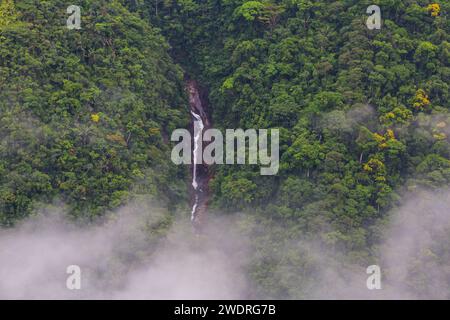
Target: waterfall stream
198, 131
200, 174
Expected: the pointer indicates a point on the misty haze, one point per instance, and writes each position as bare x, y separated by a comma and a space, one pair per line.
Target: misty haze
315, 162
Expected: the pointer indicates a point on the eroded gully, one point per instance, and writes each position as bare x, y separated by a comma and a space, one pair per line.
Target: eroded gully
200, 122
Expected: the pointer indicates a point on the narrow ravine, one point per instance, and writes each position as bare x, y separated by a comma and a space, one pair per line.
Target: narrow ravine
200, 173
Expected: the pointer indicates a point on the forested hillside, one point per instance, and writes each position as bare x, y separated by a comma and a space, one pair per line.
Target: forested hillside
363, 114
86, 116
361, 111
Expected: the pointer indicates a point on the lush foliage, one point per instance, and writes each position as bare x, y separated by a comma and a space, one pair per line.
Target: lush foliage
363, 113
85, 115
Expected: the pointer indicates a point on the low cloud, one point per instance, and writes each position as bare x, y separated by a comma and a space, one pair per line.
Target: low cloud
416, 254
347, 120
120, 259
413, 255
126, 257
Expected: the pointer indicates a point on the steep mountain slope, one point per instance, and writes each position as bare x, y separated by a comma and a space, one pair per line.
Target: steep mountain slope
363, 114
85, 114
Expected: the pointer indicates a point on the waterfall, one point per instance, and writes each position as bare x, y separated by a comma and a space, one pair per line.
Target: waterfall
198, 131
194, 208
200, 175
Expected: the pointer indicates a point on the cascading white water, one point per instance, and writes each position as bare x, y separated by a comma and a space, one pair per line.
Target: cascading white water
198, 131
194, 208
200, 173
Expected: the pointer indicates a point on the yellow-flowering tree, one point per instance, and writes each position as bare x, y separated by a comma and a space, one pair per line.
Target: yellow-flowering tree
421, 100
376, 168
399, 115
434, 9
383, 140
95, 117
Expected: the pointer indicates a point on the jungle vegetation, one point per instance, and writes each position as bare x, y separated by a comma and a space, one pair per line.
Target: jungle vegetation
86, 116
